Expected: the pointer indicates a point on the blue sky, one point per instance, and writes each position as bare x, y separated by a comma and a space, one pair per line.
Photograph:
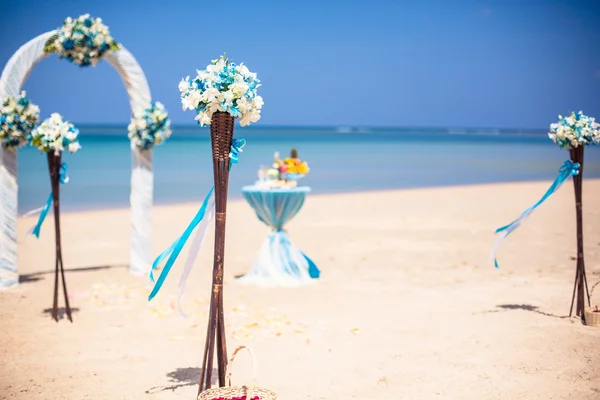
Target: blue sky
508, 63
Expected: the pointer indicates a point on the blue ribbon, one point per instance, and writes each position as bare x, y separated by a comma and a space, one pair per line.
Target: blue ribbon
568, 169
172, 252
62, 178
236, 148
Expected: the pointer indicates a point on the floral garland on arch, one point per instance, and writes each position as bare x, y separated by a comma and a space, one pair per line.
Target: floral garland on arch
222, 86
55, 134
150, 127
575, 130
83, 41
18, 117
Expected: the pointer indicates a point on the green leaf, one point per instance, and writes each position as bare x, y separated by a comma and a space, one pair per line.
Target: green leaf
50, 47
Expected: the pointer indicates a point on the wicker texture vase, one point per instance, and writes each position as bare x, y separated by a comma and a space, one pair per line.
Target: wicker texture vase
221, 134
230, 392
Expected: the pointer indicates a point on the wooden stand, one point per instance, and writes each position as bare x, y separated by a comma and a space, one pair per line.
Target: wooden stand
54, 163
221, 133
580, 288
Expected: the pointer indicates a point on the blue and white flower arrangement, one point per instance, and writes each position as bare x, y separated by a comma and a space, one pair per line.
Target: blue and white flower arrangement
150, 127
55, 134
222, 86
83, 41
18, 117
575, 130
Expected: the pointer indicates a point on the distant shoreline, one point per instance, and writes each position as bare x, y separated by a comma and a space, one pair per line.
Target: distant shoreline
341, 129
235, 196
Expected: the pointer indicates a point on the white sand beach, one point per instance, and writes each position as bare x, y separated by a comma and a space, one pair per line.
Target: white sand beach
408, 305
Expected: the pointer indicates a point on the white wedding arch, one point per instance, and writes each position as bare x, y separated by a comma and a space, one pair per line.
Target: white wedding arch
13, 78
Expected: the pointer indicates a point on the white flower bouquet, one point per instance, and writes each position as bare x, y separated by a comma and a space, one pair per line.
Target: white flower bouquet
150, 127
83, 41
222, 86
55, 134
18, 117
575, 130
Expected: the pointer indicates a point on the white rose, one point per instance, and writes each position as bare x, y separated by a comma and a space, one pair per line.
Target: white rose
204, 118
254, 116
211, 95
202, 75
73, 147
227, 97
258, 102
242, 69
141, 124
57, 144
239, 88
184, 85
246, 119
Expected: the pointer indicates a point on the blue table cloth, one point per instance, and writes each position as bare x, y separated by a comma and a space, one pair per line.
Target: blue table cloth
279, 262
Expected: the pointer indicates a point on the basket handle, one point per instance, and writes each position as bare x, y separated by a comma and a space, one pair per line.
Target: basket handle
593, 287
228, 369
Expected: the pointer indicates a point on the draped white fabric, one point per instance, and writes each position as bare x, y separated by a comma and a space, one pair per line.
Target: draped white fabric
142, 176
13, 78
9, 276
141, 199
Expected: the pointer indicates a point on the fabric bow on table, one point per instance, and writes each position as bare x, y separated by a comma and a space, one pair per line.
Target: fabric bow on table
569, 168
43, 211
201, 221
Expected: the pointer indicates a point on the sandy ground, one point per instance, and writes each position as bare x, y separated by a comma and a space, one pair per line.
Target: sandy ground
408, 306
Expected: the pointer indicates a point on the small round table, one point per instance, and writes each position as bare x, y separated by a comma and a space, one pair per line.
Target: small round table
279, 262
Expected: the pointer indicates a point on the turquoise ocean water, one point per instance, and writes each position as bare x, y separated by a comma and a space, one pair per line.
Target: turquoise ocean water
341, 160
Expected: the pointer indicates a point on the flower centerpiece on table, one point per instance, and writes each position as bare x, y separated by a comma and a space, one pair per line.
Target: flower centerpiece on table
150, 127
83, 41
575, 130
292, 167
18, 117
55, 135
223, 86
284, 173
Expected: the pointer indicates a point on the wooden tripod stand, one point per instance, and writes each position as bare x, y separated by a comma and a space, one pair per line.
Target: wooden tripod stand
54, 165
221, 133
580, 288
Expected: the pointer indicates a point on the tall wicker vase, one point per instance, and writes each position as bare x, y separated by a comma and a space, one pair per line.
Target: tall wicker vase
221, 134
54, 165
580, 288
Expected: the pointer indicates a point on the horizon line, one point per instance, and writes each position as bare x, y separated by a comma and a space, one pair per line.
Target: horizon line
328, 127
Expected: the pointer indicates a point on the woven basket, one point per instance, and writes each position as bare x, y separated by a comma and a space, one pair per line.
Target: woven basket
229, 392
592, 314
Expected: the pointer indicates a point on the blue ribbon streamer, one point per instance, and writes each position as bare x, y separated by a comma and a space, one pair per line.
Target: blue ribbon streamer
172, 252
569, 168
236, 149
62, 178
